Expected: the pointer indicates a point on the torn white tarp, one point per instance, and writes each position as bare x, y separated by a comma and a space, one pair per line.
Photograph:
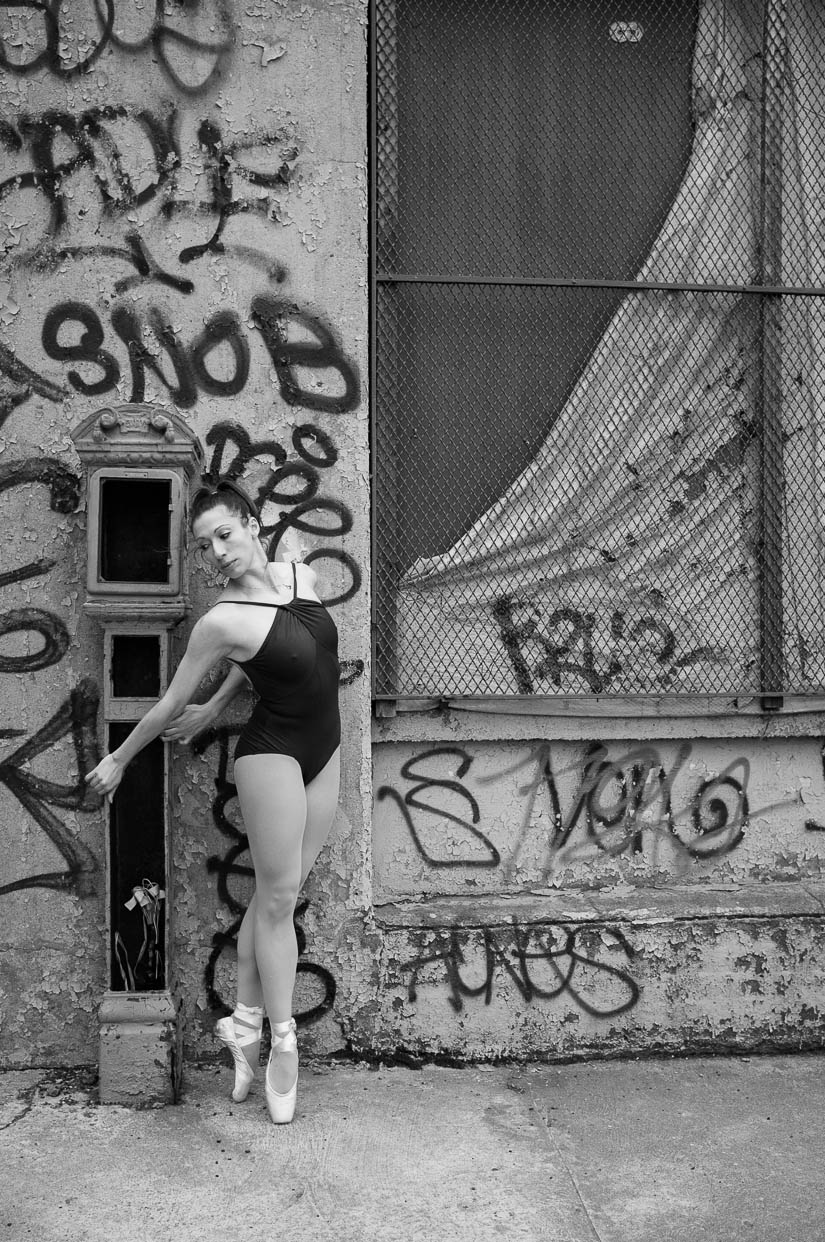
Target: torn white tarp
623, 558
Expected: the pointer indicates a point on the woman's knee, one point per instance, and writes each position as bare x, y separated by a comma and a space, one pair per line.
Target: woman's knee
276, 902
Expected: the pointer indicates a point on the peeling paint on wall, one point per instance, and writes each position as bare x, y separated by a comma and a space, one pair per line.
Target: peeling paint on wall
514, 817
180, 223
592, 897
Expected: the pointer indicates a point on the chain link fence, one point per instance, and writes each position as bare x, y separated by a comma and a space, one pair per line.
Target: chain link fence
597, 347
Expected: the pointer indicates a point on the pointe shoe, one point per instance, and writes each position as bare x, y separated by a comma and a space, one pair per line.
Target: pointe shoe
282, 1105
237, 1031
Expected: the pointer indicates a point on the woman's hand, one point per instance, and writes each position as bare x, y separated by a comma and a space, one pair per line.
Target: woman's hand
189, 723
105, 778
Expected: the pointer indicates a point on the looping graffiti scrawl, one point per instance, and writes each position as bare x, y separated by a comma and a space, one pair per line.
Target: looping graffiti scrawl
64, 494
294, 484
73, 333
112, 150
520, 953
560, 648
614, 794
617, 803
411, 802
124, 160
194, 37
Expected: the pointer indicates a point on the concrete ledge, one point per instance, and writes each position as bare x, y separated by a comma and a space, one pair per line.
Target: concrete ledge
523, 720
570, 976
642, 906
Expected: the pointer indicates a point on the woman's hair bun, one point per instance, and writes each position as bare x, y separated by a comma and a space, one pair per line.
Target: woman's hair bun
225, 492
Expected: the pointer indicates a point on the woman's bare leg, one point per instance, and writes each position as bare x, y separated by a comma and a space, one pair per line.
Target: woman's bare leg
273, 803
270, 790
250, 989
248, 1013
322, 801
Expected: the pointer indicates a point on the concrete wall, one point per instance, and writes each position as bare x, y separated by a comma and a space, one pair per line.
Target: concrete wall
556, 887
184, 221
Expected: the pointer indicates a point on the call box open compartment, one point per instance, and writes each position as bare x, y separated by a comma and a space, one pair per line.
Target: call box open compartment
135, 542
135, 669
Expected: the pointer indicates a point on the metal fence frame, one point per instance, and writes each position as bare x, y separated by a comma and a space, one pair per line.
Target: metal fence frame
769, 290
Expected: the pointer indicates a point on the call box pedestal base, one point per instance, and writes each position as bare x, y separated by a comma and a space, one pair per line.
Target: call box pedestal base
140, 1049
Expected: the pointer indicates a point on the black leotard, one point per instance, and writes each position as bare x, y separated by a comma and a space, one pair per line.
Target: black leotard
295, 672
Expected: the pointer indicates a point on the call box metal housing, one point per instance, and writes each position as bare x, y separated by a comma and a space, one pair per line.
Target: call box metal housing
140, 461
135, 533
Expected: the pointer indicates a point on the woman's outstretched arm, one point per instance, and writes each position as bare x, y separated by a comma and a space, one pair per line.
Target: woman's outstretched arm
209, 642
199, 716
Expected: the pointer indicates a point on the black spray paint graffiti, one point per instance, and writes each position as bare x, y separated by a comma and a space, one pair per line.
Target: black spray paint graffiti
113, 150
570, 966
615, 799
228, 866
76, 717
295, 484
615, 802
72, 333
561, 647
64, 494
195, 33
410, 802
125, 160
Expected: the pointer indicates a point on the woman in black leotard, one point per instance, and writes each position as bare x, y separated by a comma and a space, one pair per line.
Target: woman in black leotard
279, 636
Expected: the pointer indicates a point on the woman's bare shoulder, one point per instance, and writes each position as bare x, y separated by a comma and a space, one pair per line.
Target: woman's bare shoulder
218, 624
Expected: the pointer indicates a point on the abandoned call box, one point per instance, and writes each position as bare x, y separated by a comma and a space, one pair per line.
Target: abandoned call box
139, 461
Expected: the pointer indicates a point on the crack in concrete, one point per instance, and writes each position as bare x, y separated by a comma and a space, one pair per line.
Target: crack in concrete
6, 1125
26, 1098
550, 1140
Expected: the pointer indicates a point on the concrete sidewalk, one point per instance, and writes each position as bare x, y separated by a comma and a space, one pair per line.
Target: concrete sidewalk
635, 1151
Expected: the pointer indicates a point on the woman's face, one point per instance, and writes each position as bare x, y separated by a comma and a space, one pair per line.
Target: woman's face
226, 541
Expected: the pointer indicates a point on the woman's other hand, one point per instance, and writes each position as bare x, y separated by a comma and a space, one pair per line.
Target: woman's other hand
189, 723
105, 778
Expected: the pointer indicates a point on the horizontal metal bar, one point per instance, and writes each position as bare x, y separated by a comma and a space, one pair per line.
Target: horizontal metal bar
687, 704
564, 282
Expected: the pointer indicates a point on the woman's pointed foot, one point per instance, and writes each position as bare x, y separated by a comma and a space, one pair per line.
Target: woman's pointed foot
240, 1032
281, 1104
